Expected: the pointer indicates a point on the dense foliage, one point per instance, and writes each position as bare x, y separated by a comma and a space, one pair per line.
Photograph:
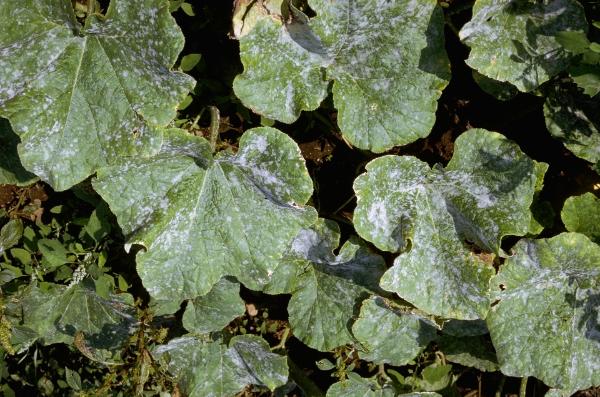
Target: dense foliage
290, 197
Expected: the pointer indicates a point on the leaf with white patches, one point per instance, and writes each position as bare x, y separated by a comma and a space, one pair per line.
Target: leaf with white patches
325, 288
581, 214
79, 96
427, 215
391, 335
201, 218
386, 59
211, 368
546, 321
11, 169
514, 41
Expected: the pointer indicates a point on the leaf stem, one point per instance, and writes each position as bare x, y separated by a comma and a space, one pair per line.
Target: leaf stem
523, 388
214, 126
500, 387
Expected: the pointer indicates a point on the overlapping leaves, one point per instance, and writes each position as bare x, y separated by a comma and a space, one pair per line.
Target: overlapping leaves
81, 96
514, 41
387, 61
200, 218
428, 214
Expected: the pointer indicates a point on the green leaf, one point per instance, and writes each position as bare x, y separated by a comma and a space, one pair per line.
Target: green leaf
53, 251
355, 386
391, 335
582, 214
98, 226
326, 288
73, 379
210, 368
587, 77
575, 42
498, 89
427, 214
11, 169
201, 218
82, 96
545, 323
574, 119
515, 41
387, 62
190, 61
213, 311
187, 8
56, 313
470, 351
10, 234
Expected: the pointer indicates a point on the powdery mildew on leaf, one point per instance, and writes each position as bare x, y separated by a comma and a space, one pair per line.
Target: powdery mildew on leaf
387, 61
574, 119
81, 96
427, 214
326, 288
581, 214
211, 368
213, 311
56, 313
546, 322
201, 218
514, 41
390, 335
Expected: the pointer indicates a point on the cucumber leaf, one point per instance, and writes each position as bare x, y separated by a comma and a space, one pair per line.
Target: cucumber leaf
213, 311
546, 321
574, 119
514, 41
581, 214
200, 218
387, 62
326, 288
211, 368
11, 169
428, 214
391, 335
81, 96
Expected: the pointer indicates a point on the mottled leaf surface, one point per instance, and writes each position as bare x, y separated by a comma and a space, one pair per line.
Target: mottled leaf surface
574, 119
391, 335
514, 41
81, 96
355, 386
546, 321
213, 369
213, 311
201, 218
386, 59
56, 313
11, 169
581, 214
326, 288
427, 215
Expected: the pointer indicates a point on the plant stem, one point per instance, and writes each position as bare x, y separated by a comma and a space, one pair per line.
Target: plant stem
214, 126
523, 389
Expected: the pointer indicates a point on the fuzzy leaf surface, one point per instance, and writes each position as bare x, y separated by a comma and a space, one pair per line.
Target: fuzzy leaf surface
87, 94
514, 41
386, 59
211, 368
427, 214
201, 218
546, 321
326, 288
213, 311
391, 335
